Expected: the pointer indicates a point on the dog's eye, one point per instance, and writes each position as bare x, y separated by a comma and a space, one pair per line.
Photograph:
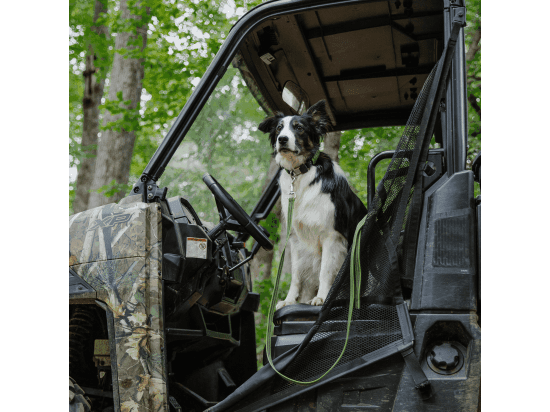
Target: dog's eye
299, 128
279, 127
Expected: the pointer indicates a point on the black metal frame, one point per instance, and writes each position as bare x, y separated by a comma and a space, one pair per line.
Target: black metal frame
433, 155
454, 116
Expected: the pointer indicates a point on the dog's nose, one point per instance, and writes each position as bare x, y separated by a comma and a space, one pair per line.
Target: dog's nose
283, 139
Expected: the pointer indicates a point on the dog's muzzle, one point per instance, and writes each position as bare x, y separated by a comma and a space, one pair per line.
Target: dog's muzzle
282, 145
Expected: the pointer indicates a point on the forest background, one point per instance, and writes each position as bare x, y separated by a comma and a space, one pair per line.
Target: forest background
133, 65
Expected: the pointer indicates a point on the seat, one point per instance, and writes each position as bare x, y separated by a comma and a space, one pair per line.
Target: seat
292, 323
299, 312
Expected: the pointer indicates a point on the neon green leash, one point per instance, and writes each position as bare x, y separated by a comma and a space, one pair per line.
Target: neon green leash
355, 284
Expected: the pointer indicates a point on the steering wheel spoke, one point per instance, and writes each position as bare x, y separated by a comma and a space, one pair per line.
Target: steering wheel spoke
241, 222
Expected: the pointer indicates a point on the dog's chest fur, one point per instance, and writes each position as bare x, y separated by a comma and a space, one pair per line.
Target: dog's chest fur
314, 212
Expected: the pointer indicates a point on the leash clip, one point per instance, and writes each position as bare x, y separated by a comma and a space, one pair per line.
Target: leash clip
293, 177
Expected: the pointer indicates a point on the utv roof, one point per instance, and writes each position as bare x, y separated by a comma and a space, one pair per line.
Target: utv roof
368, 59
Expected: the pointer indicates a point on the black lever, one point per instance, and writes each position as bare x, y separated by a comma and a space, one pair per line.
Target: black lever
254, 250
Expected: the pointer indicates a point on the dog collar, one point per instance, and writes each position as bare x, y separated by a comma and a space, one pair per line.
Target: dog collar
304, 167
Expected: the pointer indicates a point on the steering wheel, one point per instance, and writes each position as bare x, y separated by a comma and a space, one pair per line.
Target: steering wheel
237, 212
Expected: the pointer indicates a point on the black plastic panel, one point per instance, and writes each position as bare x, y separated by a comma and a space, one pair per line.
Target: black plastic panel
451, 242
77, 285
459, 391
372, 388
445, 275
478, 229
292, 327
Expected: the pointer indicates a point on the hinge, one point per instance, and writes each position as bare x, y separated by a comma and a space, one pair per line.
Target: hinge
149, 190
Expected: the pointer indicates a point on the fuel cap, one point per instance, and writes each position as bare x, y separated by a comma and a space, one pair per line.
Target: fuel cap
445, 358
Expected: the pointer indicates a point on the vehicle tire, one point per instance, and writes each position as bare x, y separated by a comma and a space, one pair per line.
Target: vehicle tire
77, 399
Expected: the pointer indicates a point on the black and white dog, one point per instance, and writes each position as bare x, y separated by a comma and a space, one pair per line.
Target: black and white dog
326, 211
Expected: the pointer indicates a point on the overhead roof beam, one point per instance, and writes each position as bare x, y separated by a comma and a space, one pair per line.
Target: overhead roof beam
368, 23
379, 72
417, 37
393, 117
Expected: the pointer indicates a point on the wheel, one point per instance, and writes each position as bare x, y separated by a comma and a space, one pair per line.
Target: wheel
77, 400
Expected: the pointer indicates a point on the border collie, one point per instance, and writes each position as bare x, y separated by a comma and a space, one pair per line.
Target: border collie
326, 211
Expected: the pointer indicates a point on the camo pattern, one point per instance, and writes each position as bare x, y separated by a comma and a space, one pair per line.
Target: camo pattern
108, 232
117, 250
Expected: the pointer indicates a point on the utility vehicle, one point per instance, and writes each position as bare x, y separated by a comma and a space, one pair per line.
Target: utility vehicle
162, 304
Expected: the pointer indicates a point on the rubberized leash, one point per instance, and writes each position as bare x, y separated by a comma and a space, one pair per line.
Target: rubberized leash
355, 283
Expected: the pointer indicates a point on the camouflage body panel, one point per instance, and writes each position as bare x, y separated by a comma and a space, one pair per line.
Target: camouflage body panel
108, 232
117, 250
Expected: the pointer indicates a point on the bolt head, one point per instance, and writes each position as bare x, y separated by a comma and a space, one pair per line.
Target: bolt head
149, 187
150, 196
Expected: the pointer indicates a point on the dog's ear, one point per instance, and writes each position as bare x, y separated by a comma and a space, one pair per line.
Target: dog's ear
270, 123
318, 113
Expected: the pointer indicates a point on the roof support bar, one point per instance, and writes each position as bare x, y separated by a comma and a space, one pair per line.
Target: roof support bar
368, 23
363, 74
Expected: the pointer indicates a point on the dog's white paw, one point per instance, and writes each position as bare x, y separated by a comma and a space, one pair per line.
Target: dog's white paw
316, 301
283, 303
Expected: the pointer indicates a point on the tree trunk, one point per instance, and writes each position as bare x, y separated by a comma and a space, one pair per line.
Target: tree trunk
475, 46
332, 145
116, 145
93, 92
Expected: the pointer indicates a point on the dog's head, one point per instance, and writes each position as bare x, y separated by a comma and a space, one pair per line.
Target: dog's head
296, 138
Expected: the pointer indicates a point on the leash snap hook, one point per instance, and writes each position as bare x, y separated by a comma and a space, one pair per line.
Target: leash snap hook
293, 177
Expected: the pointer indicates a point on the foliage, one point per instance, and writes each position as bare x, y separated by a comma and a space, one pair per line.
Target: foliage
225, 142
129, 121
113, 187
357, 147
183, 38
82, 38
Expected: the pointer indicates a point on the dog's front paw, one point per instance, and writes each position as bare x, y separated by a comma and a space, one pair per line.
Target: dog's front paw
284, 303
316, 301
